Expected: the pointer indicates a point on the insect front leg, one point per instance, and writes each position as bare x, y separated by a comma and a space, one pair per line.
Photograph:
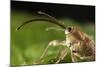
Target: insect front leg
62, 54
51, 43
74, 51
75, 57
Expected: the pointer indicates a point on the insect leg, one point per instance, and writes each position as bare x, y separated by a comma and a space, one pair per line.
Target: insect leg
75, 57
62, 55
44, 53
88, 58
52, 43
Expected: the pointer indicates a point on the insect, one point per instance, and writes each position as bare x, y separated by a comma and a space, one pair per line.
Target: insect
80, 44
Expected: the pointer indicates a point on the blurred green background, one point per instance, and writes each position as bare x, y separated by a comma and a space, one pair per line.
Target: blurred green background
28, 44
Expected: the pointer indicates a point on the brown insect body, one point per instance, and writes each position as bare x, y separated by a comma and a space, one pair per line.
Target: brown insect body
81, 44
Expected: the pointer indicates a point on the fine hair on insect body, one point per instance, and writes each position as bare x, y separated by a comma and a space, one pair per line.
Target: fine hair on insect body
80, 44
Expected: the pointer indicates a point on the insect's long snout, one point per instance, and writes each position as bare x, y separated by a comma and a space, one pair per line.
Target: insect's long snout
50, 20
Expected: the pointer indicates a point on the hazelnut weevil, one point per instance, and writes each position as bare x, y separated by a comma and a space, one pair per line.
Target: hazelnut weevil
80, 44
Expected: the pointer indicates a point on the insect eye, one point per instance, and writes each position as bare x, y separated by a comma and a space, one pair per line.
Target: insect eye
69, 29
